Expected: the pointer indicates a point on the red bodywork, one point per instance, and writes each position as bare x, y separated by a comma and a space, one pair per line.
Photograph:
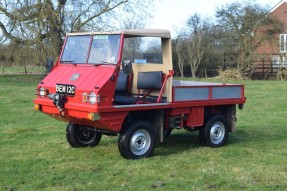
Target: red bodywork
92, 78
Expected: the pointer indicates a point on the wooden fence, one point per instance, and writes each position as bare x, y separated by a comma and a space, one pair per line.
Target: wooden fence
22, 70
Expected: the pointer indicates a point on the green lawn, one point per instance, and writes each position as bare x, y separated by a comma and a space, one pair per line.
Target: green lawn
34, 154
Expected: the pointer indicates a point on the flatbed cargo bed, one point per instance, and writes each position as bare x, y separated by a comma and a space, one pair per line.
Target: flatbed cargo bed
204, 91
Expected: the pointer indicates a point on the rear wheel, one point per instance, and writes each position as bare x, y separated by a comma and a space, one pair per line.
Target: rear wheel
215, 132
82, 136
137, 141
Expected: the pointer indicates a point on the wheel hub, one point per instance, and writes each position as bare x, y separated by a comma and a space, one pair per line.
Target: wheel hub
217, 132
85, 135
140, 142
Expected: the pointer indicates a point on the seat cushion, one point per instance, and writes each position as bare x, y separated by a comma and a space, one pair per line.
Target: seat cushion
125, 100
149, 80
128, 100
122, 82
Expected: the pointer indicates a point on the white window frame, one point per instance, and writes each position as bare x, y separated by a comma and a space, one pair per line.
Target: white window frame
282, 42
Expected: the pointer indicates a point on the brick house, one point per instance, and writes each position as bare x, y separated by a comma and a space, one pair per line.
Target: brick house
273, 51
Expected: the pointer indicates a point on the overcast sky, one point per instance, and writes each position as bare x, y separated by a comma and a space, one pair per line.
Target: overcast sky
170, 14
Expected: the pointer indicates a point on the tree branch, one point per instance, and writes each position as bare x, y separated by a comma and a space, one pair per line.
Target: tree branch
9, 35
11, 16
104, 10
18, 15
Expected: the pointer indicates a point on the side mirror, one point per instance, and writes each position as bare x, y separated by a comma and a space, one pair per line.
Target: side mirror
49, 65
127, 67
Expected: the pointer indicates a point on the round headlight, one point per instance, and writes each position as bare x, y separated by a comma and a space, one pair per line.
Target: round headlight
42, 91
93, 98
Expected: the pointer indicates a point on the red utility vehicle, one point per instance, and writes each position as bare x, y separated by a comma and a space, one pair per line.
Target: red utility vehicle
120, 83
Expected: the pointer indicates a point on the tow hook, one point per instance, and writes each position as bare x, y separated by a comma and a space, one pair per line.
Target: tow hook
59, 101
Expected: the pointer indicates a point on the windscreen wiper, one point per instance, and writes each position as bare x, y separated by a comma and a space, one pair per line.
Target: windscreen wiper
66, 61
103, 62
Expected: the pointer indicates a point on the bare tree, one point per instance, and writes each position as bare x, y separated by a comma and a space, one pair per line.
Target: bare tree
179, 49
42, 24
239, 21
195, 52
191, 43
195, 44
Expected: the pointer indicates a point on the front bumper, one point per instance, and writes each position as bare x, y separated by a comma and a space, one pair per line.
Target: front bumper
82, 114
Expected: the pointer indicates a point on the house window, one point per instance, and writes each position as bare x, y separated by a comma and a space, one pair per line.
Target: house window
283, 41
278, 62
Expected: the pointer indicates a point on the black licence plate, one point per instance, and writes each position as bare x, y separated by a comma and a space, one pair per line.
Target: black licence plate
65, 89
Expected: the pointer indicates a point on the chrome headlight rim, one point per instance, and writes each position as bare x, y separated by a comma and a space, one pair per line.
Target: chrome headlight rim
42, 92
93, 98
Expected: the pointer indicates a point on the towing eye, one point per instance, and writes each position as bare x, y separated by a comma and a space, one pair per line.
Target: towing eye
59, 101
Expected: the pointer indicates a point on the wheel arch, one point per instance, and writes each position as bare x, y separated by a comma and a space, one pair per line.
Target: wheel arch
227, 111
154, 117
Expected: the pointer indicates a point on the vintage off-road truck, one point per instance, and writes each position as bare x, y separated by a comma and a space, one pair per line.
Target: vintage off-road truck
121, 83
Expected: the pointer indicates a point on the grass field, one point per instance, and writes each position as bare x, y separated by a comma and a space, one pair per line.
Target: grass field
34, 154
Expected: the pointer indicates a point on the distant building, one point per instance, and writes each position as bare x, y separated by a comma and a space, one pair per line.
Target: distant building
273, 51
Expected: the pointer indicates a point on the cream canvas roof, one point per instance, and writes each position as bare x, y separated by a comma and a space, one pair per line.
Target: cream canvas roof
134, 32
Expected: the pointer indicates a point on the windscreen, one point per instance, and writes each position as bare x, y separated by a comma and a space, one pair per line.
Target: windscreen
76, 49
91, 49
104, 49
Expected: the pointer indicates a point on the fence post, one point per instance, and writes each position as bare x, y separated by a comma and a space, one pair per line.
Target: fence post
25, 69
3, 68
263, 68
224, 62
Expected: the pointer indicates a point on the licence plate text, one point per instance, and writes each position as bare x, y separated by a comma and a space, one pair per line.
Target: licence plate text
65, 89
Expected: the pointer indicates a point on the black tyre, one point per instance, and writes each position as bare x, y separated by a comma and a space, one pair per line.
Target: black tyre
201, 136
215, 132
137, 141
82, 136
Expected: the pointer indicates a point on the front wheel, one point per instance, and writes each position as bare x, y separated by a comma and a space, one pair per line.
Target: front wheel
137, 141
215, 132
82, 136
